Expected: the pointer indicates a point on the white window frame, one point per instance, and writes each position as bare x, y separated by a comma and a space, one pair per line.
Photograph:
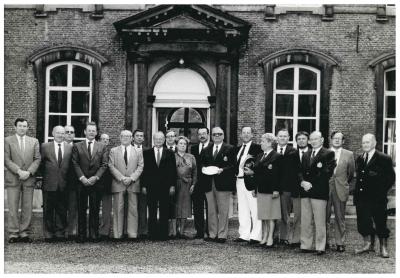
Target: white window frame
387, 93
296, 93
69, 89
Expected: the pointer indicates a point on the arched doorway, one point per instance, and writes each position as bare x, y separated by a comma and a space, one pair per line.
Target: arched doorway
181, 103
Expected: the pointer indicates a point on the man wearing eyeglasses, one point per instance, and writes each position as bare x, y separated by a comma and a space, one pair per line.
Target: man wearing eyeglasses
72, 206
218, 187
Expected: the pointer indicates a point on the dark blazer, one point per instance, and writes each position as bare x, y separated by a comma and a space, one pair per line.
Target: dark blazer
55, 177
194, 150
317, 173
374, 179
289, 171
84, 166
226, 160
107, 178
73, 182
254, 150
158, 178
266, 172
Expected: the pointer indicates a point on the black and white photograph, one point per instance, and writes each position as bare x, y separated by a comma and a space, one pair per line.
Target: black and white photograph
189, 138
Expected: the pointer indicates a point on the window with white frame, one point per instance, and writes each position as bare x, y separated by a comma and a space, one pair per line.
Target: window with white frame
68, 97
389, 113
296, 99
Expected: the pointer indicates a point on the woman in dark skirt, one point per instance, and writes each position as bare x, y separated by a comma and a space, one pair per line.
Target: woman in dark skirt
266, 177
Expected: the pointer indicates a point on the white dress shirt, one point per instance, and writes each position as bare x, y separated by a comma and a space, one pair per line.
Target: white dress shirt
243, 158
137, 147
301, 152
215, 146
91, 145
128, 150
201, 146
316, 151
173, 147
21, 139
278, 149
370, 154
56, 149
155, 152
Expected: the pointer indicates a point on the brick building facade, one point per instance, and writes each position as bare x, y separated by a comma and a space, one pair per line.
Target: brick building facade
306, 67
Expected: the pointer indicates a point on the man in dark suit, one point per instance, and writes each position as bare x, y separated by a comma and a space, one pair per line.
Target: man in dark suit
158, 182
249, 224
317, 168
375, 176
56, 161
21, 161
218, 187
89, 159
198, 196
289, 170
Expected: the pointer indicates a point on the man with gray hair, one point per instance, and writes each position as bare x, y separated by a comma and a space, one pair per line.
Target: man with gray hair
317, 168
375, 176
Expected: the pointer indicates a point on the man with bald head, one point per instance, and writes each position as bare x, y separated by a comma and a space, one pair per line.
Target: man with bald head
375, 176
56, 163
317, 166
158, 183
219, 186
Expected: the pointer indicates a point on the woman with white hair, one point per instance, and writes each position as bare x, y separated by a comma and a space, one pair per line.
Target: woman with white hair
266, 176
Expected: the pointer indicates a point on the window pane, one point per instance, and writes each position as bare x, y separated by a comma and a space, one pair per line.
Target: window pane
58, 101
307, 105
391, 80
80, 102
284, 123
80, 76
55, 121
178, 116
284, 105
285, 79
307, 80
58, 76
306, 125
79, 123
194, 116
391, 151
390, 132
390, 107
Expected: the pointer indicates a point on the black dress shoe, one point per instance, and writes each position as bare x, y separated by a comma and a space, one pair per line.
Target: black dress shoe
253, 242
295, 245
239, 240
209, 239
199, 236
80, 239
284, 242
306, 251
26, 239
104, 238
319, 253
221, 240
13, 240
132, 239
142, 236
340, 248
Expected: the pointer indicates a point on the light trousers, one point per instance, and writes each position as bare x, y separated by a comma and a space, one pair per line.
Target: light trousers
313, 209
125, 214
19, 226
339, 208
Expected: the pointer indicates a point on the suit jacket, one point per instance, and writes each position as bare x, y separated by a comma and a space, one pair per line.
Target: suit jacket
374, 179
267, 172
119, 169
289, 171
226, 160
317, 172
55, 177
84, 166
343, 174
158, 178
72, 180
194, 150
14, 160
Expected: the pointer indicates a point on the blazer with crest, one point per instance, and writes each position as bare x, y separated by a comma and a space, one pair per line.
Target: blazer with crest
55, 177
289, 171
226, 160
374, 179
317, 172
84, 166
14, 160
266, 172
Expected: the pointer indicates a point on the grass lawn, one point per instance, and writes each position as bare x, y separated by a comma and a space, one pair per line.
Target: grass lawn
189, 256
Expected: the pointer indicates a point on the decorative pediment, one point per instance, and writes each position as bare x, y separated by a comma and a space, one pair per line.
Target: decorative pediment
182, 22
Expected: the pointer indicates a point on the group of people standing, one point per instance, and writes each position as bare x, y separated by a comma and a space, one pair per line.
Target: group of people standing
271, 180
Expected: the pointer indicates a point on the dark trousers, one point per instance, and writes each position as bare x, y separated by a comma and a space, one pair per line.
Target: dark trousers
158, 229
199, 203
369, 212
94, 196
54, 213
142, 214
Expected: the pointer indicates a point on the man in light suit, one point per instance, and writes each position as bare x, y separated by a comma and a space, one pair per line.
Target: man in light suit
218, 187
339, 188
21, 161
158, 182
249, 224
89, 159
56, 161
126, 166
317, 168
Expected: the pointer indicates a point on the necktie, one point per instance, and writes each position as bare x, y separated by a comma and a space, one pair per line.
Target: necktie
158, 157
281, 151
59, 155
366, 159
202, 148
263, 157
89, 150
21, 146
301, 157
215, 152
126, 156
312, 157
171, 148
240, 157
